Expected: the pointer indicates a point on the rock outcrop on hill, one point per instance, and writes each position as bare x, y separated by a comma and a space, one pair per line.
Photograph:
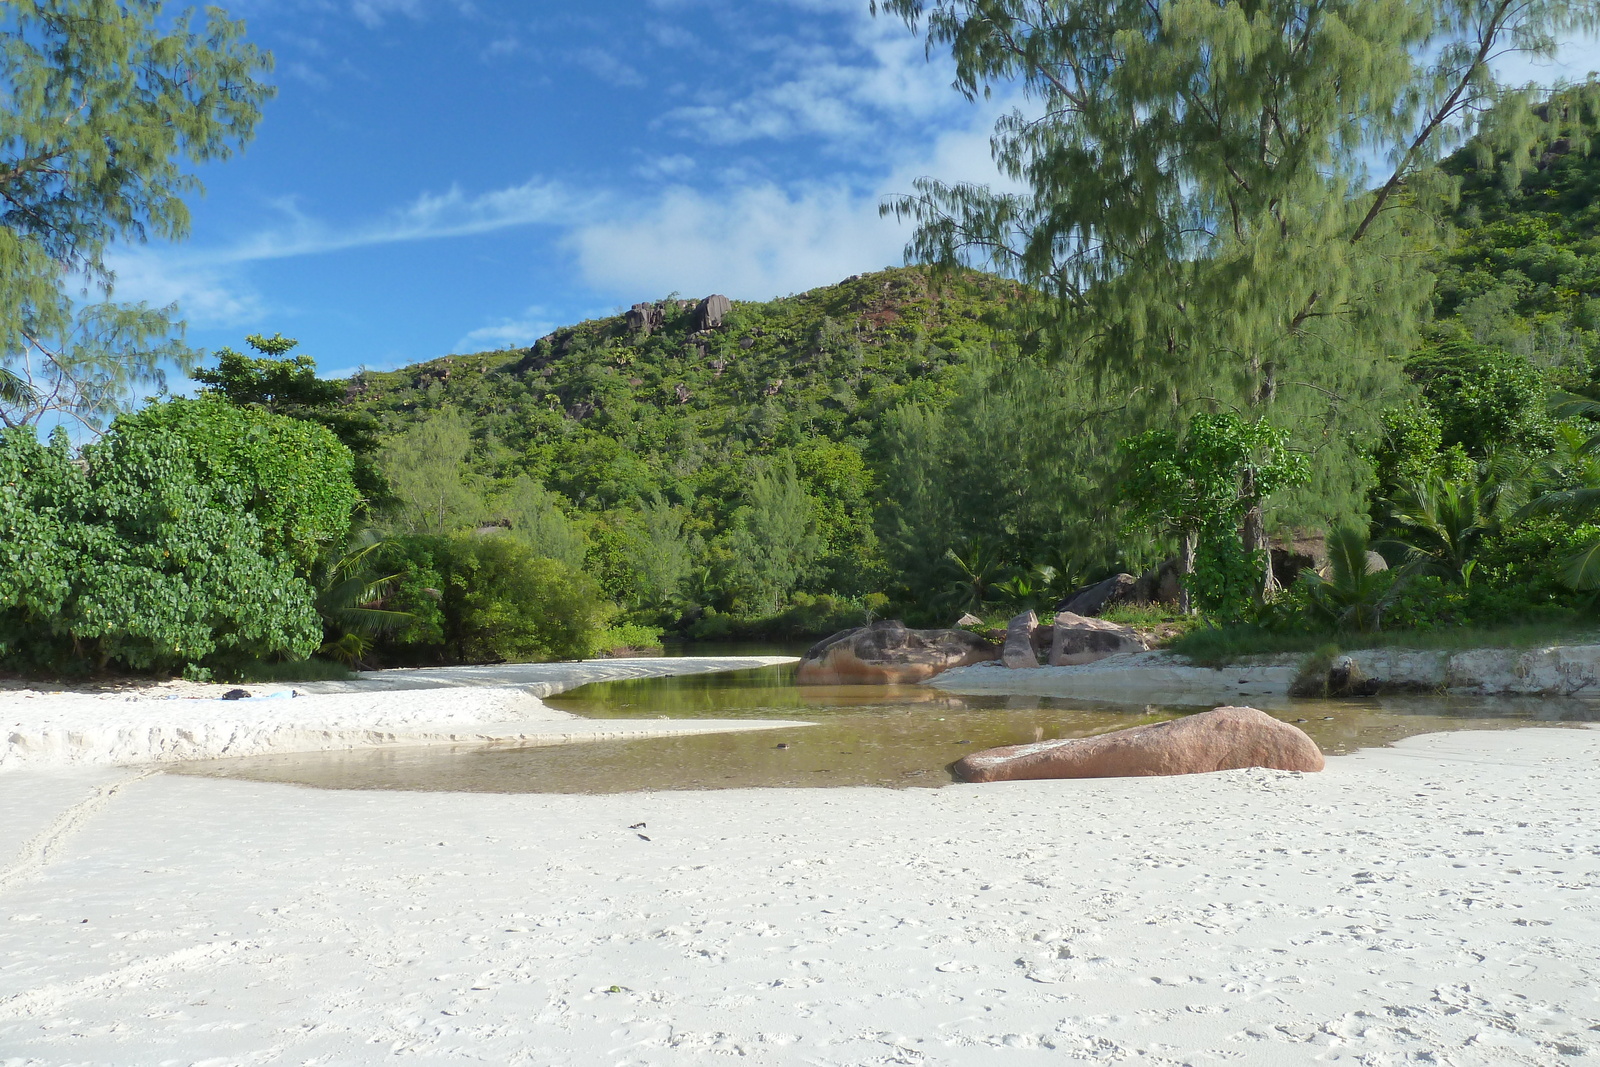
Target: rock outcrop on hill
710, 312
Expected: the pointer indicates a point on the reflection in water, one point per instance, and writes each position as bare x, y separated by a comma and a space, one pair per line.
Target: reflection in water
866, 735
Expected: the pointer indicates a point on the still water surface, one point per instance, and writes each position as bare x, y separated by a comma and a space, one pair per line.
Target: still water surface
893, 736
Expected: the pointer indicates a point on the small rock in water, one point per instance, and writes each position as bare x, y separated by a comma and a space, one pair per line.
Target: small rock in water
1302, 720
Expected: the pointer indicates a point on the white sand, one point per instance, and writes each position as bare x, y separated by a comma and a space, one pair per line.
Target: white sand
446, 705
1431, 903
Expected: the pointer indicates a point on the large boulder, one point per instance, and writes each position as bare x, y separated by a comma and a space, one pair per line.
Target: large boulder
887, 653
710, 312
1019, 650
1161, 584
1079, 640
1221, 740
642, 318
1093, 599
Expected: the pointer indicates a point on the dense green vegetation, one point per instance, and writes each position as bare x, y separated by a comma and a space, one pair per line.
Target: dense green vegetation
911, 437
694, 473
1190, 333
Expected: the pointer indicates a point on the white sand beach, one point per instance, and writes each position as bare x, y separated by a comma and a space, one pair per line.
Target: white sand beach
445, 705
1434, 902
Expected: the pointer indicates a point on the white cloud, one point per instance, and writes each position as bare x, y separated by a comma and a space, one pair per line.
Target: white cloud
845, 90
753, 243
607, 67
759, 240
1574, 60
658, 168
207, 295
374, 12
517, 332
430, 216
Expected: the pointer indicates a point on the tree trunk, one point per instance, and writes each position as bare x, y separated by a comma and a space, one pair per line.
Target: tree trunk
1186, 550
1253, 533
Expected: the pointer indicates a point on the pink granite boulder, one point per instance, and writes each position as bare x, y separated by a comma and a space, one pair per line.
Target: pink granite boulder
1221, 740
889, 653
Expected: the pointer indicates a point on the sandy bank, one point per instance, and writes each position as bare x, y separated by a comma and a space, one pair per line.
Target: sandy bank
447, 705
1433, 902
1165, 678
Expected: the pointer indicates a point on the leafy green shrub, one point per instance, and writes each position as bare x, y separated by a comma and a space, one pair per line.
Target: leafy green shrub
630, 635
487, 598
132, 560
1352, 597
293, 476
806, 616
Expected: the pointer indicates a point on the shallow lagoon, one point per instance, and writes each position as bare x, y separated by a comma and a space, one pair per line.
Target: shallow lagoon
894, 736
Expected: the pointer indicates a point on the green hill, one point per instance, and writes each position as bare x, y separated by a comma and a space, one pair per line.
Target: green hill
890, 434
741, 448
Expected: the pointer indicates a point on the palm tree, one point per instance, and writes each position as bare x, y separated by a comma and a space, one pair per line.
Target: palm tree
1352, 596
974, 575
1574, 464
349, 598
1439, 524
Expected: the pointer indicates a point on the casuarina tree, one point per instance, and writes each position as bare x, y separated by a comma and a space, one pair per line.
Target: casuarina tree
1228, 199
107, 106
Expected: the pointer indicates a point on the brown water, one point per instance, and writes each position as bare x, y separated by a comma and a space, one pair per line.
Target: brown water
893, 736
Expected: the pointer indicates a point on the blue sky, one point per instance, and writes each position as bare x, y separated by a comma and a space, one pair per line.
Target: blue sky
453, 175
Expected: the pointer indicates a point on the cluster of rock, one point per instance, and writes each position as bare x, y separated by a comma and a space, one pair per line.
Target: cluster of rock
890, 653
708, 314
1071, 639
1162, 584
1224, 739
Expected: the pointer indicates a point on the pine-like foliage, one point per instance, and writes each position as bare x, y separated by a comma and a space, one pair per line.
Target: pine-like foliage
106, 107
1197, 193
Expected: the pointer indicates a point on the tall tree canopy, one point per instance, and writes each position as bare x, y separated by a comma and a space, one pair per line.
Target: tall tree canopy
104, 107
1199, 190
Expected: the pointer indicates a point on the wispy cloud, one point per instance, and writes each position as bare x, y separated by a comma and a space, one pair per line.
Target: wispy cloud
431, 216
514, 332
756, 240
210, 284
607, 67
849, 86
207, 294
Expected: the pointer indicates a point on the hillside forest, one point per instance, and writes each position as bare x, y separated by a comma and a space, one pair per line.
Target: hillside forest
1371, 412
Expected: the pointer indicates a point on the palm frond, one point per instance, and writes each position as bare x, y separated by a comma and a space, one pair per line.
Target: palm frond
1581, 569
15, 389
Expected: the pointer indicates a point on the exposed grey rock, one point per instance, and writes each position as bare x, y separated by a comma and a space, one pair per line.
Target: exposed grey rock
1080, 640
644, 318
710, 312
1093, 599
1019, 649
